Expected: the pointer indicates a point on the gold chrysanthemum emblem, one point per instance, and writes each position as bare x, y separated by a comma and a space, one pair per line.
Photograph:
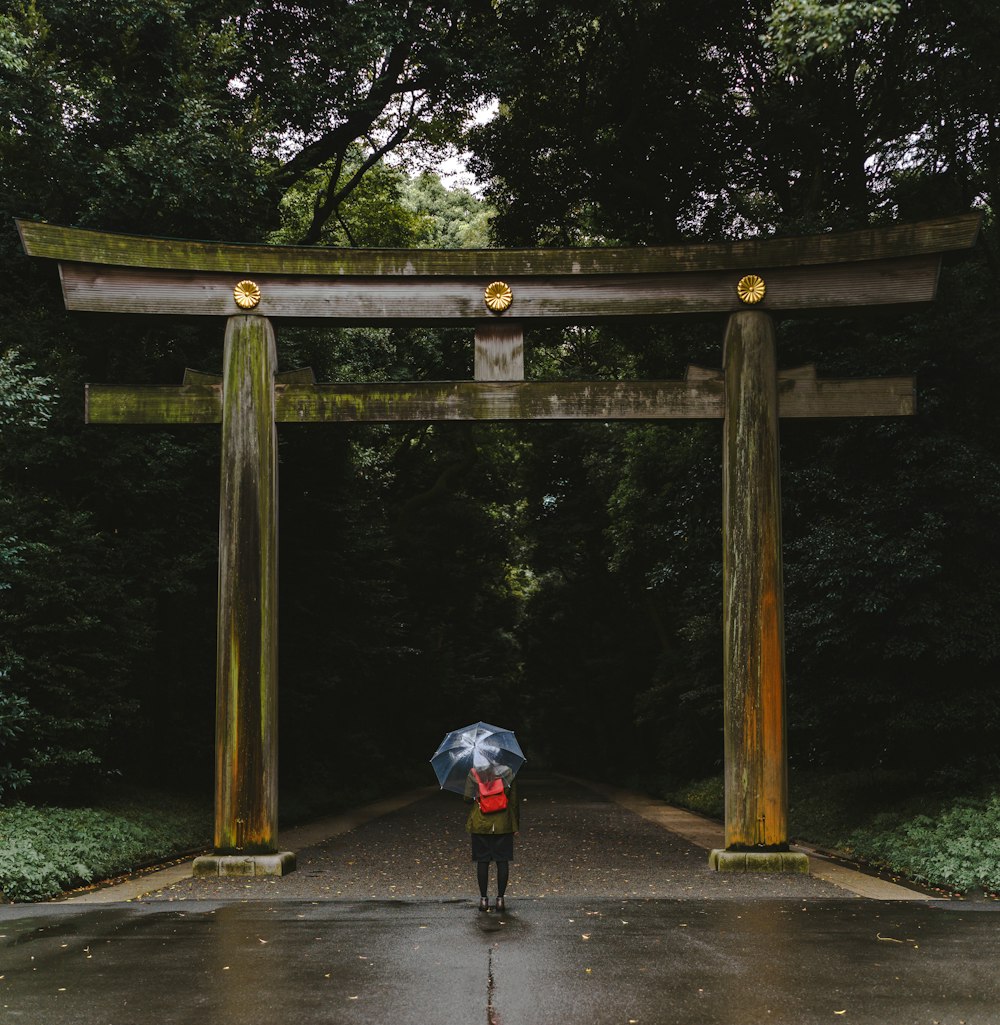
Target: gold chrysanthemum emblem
246, 294
498, 296
751, 289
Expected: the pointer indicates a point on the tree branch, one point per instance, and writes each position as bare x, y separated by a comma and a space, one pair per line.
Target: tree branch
356, 123
334, 196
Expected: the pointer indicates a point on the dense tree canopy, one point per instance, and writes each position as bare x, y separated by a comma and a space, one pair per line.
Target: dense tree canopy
564, 578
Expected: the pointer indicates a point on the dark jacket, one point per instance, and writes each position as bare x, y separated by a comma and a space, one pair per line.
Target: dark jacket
506, 821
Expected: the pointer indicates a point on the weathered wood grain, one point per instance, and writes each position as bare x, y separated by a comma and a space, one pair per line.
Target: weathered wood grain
301, 375
876, 396
124, 404
201, 377
444, 300
490, 400
499, 352
696, 398
246, 795
753, 628
79, 245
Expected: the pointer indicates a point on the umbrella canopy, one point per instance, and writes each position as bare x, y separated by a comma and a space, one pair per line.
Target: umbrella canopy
481, 747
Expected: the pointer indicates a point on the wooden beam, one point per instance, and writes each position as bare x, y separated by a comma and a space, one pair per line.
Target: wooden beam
756, 780
472, 400
246, 777
200, 377
699, 397
123, 404
446, 300
301, 375
79, 245
877, 396
803, 395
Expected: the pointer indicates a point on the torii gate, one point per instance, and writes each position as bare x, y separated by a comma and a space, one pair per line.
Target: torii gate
499, 292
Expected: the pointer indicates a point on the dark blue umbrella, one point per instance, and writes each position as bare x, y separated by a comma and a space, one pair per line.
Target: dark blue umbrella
480, 746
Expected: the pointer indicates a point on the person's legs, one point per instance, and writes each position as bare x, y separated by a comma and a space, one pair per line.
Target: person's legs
483, 877
503, 873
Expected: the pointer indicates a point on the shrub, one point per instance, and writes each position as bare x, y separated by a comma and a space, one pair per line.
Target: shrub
45, 850
706, 796
957, 848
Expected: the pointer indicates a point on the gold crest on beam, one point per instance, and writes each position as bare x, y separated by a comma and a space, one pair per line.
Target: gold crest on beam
498, 296
751, 289
246, 294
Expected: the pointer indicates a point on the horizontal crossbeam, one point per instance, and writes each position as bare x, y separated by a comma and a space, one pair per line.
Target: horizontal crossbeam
698, 398
570, 299
125, 404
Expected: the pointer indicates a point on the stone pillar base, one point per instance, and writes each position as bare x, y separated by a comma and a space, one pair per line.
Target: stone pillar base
758, 861
279, 864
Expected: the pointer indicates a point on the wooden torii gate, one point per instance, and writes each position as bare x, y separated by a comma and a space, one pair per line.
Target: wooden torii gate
500, 292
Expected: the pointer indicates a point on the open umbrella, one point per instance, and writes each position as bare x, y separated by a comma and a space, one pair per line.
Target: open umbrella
479, 746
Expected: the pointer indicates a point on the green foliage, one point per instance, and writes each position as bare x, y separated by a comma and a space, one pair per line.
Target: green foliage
611, 124
449, 218
45, 850
955, 848
372, 215
801, 30
386, 209
133, 120
706, 796
25, 397
941, 837
69, 634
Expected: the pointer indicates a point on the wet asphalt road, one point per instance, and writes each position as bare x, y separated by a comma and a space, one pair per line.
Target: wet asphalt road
611, 920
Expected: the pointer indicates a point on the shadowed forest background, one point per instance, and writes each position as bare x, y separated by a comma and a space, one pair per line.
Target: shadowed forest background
561, 579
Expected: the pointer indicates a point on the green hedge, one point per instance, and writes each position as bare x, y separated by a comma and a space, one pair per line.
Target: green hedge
955, 849
46, 850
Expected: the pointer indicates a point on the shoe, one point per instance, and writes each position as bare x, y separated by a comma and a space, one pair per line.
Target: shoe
500, 905
484, 904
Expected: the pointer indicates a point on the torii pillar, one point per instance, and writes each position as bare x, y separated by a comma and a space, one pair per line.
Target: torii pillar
756, 761
246, 719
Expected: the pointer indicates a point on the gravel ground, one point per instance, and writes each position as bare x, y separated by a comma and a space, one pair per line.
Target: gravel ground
573, 843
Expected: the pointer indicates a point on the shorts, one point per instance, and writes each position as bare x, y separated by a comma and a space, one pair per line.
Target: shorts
492, 847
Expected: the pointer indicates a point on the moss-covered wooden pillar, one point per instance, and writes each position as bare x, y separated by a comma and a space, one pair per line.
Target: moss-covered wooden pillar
756, 772
246, 718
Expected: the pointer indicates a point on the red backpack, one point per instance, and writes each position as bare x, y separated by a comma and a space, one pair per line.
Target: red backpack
492, 796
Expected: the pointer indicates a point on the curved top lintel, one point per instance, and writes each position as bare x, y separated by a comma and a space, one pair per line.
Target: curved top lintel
82, 245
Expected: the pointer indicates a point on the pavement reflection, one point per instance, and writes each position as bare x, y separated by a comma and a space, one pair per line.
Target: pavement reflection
549, 962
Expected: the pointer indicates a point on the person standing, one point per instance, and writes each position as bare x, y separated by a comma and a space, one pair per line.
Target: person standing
492, 832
